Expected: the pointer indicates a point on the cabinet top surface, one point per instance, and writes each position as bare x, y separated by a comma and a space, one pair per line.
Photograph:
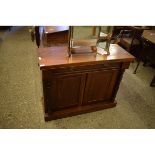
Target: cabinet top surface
57, 55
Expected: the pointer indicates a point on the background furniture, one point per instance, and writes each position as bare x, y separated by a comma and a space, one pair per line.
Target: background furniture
81, 83
55, 35
88, 44
37, 35
113, 30
50, 35
5, 28
148, 38
130, 38
152, 84
147, 54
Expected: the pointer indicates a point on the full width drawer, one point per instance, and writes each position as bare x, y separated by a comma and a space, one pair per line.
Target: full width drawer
79, 68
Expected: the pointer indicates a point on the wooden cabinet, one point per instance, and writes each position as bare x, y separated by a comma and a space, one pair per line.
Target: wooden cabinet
64, 91
82, 83
71, 88
99, 85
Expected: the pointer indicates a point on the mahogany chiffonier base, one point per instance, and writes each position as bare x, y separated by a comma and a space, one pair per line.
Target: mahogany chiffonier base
81, 83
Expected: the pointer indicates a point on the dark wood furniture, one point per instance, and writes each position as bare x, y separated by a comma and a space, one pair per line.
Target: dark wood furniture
37, 35
5, 28
50, 35
55, 35
130, 38
148, 41
81, 83
147, 53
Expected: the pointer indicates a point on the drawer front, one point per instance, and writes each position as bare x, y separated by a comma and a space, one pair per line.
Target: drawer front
79, 68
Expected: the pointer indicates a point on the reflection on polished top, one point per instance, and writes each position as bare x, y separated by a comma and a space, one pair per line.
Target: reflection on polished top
57, 55
53, 29
149, 35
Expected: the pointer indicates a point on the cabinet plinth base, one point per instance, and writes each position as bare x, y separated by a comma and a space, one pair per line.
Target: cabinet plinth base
78, 110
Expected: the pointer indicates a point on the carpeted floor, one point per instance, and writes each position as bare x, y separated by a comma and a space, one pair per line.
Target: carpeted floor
21, 92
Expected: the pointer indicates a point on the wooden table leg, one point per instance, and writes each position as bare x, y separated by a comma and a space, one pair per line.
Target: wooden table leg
37, 35
94, 30
138, 63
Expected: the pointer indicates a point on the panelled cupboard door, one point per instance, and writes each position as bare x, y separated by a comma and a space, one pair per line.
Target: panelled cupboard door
100, 85
65, 91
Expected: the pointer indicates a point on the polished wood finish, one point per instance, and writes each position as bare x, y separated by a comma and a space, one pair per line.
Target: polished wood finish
58, 56
65, 90
80, 83
55, 35
55, 29
56, 38
96, 80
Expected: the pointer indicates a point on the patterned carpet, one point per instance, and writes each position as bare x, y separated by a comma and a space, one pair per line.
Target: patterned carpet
21, 92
